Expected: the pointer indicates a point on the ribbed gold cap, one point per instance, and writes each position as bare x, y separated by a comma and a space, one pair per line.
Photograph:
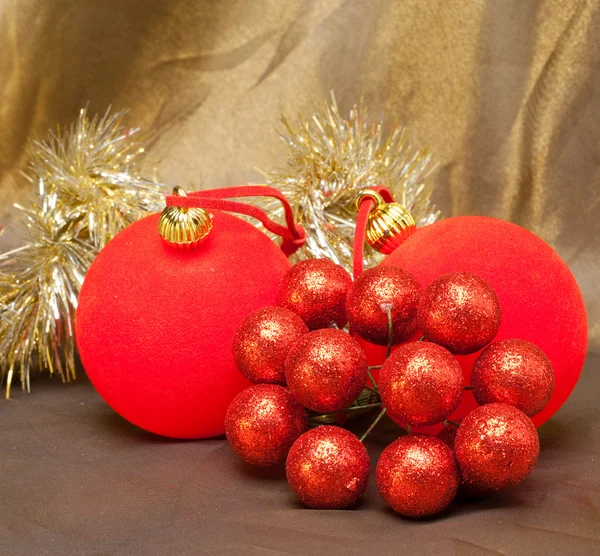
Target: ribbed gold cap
184, 227
389, 224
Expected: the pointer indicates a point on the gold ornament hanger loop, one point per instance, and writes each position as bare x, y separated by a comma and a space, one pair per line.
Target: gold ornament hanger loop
388, 225
184, 227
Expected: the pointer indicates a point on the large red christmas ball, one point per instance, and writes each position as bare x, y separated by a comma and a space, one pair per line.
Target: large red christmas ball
328, 468
515, 372
155, 323
262, 423
539, 297
460, 312
420, 384
496, 446
316, 290
417, 476
326, 370
262, 342
375, 293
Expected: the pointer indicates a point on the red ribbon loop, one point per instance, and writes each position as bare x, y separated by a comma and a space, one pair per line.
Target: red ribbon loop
361, 228
293, 235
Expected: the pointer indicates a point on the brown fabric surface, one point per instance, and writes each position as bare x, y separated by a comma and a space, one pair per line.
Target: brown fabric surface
77, 479
506, 93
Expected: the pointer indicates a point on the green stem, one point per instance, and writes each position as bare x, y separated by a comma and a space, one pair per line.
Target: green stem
468, 388
373, 424
422, 339
450, 422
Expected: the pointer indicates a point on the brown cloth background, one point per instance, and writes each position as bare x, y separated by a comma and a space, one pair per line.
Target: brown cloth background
506, 93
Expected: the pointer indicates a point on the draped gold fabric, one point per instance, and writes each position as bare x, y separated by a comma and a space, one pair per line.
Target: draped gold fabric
506, 93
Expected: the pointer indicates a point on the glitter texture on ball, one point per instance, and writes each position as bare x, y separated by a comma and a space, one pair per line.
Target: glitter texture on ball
417, 475
515, 372
326, 370
496, 446
263, 422
328, 468
374, 293
460, 311
262, 342
316, 290
421, 384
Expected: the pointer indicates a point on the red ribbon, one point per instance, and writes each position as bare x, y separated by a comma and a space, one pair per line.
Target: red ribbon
361, 228
293, 236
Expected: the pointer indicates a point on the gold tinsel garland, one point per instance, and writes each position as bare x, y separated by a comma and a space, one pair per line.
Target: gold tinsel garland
87, 188
331, 160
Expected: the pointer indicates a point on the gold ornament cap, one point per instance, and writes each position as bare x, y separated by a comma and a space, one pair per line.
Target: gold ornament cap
388, 225
184, 227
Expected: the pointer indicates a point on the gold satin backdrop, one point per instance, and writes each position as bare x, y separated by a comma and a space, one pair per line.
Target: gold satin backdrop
506, 93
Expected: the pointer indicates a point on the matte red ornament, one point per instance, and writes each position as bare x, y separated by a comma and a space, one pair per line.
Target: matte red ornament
515, 372
540, 299
263, 422
420, 384
316, 289
155, 323
262, 342
373, 294
417, 475
326, 370
328, 468
496, 446
459, 311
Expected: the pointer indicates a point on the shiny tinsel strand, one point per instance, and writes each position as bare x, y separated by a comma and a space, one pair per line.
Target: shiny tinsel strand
88, 188
332, 159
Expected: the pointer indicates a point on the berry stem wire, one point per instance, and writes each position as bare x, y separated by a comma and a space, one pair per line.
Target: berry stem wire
373, 424
353, 408
375, 387
388, 312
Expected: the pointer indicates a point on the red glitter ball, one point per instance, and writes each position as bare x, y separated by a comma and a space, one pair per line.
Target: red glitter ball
421, 384
316, 290
460, 311
417, 475
496, 447
376, 290
261, 343
328, 468
326, 370
448, 435
515, 372
263, 422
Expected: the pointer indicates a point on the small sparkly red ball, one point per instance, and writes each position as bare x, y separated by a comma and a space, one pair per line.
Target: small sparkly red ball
448, 435
316, 290
328, 468
263, 422
515, 372
326, 370
417, 475
375, 292
460, 311
421, 384
262, 342
496, 447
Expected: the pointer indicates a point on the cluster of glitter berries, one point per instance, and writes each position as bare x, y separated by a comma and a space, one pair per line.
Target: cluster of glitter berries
299, 357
